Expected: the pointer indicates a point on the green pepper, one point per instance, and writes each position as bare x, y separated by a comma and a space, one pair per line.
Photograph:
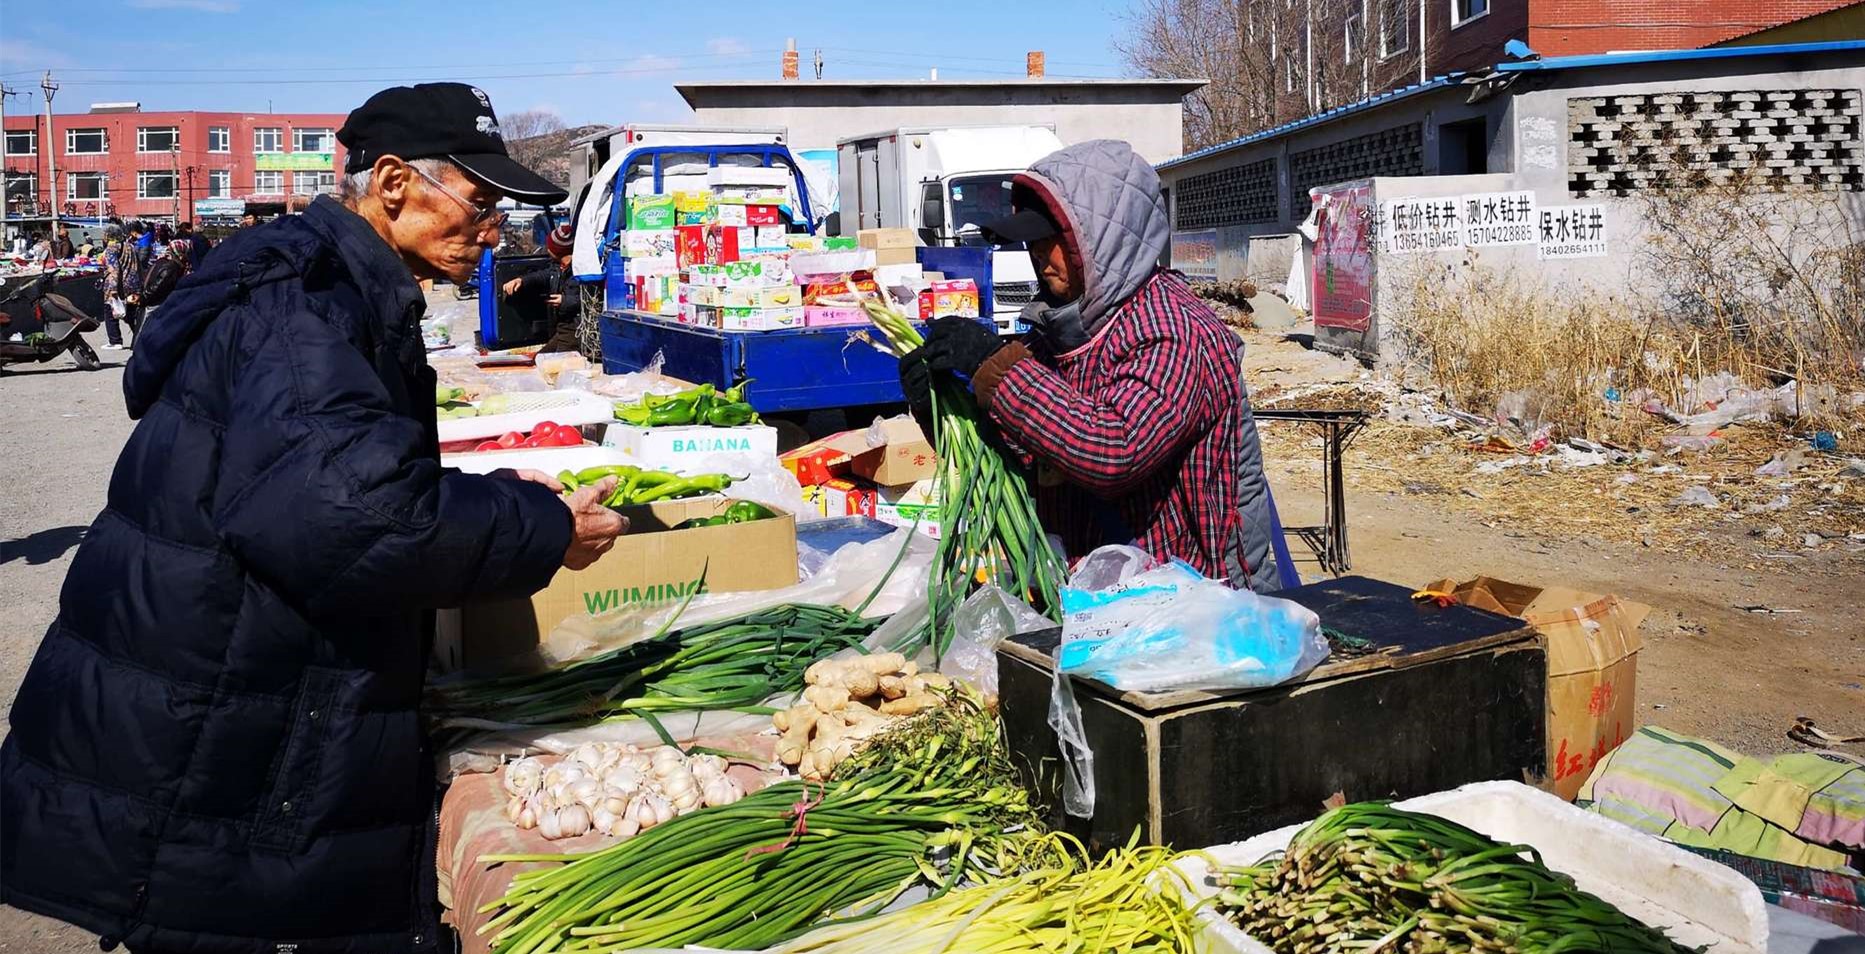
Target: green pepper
686, 486
590, 475
736, 393
673, 413
730, 415
569, 481
746, 511
635, 414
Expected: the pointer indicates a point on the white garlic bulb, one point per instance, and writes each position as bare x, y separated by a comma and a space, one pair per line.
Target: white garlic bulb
678, 783
528, 814
573, 821
513, 806
602, 820
523, 775
589, 753
706, 766
586, 792
722, 790
625, 778
625, 826
614, 801
562, 774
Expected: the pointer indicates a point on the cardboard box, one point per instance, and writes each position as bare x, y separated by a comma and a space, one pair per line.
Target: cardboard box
723, 243
652, 563
687, 200
769, 177
817, 316
914, 506
848, 291
895, 256
649, 243
681, 449
692, 294
745, 213
760, 319
887, 238
903, 457
959, 297
690, 245
773, 237
650, 212
768, 296
1593, 645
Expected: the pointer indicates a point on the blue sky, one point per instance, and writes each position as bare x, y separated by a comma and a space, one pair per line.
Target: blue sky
602, 62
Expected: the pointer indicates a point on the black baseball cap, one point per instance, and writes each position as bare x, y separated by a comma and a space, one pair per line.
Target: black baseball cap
1030, 222
451, 121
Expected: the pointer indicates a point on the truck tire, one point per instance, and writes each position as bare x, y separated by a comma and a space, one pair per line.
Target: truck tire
589, 324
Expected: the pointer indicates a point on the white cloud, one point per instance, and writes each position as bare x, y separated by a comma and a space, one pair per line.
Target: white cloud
198, 6
727, 46
26, 55
651, 63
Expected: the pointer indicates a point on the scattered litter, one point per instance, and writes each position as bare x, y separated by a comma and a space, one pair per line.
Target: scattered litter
1806, 733
1626, 479
1678, 443
1765, 610
1657, 705
1695, 497
1811, 541
1824, 441
1853, 468
1778, 503
1774, 533
1498, 466
1783, 463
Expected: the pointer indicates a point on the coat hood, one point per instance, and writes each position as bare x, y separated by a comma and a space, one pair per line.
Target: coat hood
1107, 202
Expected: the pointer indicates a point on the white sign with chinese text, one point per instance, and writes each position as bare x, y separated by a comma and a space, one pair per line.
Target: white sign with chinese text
1499, 218
1572, 231
1420, 225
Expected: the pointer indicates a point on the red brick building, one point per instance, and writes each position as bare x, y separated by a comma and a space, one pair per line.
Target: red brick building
119, 160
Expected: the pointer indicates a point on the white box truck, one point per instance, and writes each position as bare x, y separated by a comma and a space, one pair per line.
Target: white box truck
943, 182
590, 152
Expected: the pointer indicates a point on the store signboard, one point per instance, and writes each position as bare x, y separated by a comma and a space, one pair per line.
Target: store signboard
301, 161
1343, 262
1195, 254
222, 208
1572, 231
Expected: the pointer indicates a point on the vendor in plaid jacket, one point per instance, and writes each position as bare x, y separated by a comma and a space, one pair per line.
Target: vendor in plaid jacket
1127, 397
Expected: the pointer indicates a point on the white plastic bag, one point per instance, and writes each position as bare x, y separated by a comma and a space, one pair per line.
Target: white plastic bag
1170, 628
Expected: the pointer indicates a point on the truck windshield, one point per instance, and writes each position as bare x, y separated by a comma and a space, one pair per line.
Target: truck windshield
977, 200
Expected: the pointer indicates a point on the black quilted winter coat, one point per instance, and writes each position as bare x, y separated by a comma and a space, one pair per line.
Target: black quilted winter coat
217, 747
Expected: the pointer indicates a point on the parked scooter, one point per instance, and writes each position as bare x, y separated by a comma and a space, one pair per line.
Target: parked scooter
63, 323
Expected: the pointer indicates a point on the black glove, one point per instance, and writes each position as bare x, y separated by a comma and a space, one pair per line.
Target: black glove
916, 383
953, 344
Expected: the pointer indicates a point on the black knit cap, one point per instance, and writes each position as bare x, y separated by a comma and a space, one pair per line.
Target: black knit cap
453, 121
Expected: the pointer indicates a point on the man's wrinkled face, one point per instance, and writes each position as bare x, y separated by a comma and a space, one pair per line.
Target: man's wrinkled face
445, 233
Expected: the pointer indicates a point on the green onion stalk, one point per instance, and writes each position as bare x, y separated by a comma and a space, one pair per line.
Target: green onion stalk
734, 663
933, 800
1129, 901
989, 531
1369, 878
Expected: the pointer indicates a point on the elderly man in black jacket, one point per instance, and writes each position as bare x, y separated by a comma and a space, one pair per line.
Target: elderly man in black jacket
221, 751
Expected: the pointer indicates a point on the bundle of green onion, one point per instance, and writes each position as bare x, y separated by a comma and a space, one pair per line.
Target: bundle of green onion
934, 799
1370, 877
1127, 902
734, 663
989, 532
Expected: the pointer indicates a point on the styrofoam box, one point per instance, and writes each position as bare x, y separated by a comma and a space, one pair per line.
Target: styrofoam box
1693, 899
562, 407
682, 449
550, 460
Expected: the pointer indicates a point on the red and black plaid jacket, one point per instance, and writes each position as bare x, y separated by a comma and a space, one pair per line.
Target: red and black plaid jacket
1135, 436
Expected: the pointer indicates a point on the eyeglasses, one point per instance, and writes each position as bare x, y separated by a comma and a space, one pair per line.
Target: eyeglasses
484, 217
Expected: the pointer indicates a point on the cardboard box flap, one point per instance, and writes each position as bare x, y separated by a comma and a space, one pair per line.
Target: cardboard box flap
1586, 631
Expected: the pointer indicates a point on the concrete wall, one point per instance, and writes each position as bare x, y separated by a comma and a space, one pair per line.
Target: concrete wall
819, 116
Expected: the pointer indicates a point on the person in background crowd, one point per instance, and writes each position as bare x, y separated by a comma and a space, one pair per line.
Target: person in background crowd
221, 752
1127, 396
40, 251
197, 244
169, 268
133, 265
115, 307
248, 220
61, 246
554, 284
163, 235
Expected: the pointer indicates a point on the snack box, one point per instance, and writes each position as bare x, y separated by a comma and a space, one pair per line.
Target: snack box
650, 212
650, 243
748, 213
839, 291
958, 297
767, 296
760, 319
817, 316
757, 272
685, 200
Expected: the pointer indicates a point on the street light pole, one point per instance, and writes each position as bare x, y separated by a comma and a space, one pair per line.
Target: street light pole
174, 177
51, 151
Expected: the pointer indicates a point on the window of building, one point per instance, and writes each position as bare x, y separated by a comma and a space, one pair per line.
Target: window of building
22, 191
155, 184
313, 140
269, 182
312, 183
219, 139
268, 139
219, 183
1463, 11
1395, 27
22, 142
158, 139
86, 142
84, 185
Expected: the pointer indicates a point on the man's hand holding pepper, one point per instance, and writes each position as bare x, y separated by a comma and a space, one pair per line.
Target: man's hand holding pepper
953, 345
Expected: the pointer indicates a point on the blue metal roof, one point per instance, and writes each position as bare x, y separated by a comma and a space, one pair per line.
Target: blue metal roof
1517, 66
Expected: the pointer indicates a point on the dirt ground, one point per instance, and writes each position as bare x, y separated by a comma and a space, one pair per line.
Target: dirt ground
1709, 667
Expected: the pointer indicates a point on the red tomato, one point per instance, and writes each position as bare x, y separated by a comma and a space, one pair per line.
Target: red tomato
535, 441
488, 446
568, 437
545, 429
511, 439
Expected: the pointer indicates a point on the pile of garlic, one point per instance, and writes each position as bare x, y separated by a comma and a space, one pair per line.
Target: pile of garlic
847, 702
618, 790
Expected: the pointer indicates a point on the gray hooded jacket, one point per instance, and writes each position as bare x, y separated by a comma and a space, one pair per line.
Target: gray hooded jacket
1108, 205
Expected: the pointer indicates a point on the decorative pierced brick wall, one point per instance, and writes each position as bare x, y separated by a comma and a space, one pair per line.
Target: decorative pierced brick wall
1802, 138
1235, 196
1390, 152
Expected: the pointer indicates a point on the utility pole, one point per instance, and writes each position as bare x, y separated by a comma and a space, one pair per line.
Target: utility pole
1422, 76
174, 177
191, 194
5, 91
50, 88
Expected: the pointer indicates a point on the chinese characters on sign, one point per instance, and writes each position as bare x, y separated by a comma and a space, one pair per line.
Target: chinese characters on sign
1421, 225
1572, 231
1343, 265
1499, 218
1195, 254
